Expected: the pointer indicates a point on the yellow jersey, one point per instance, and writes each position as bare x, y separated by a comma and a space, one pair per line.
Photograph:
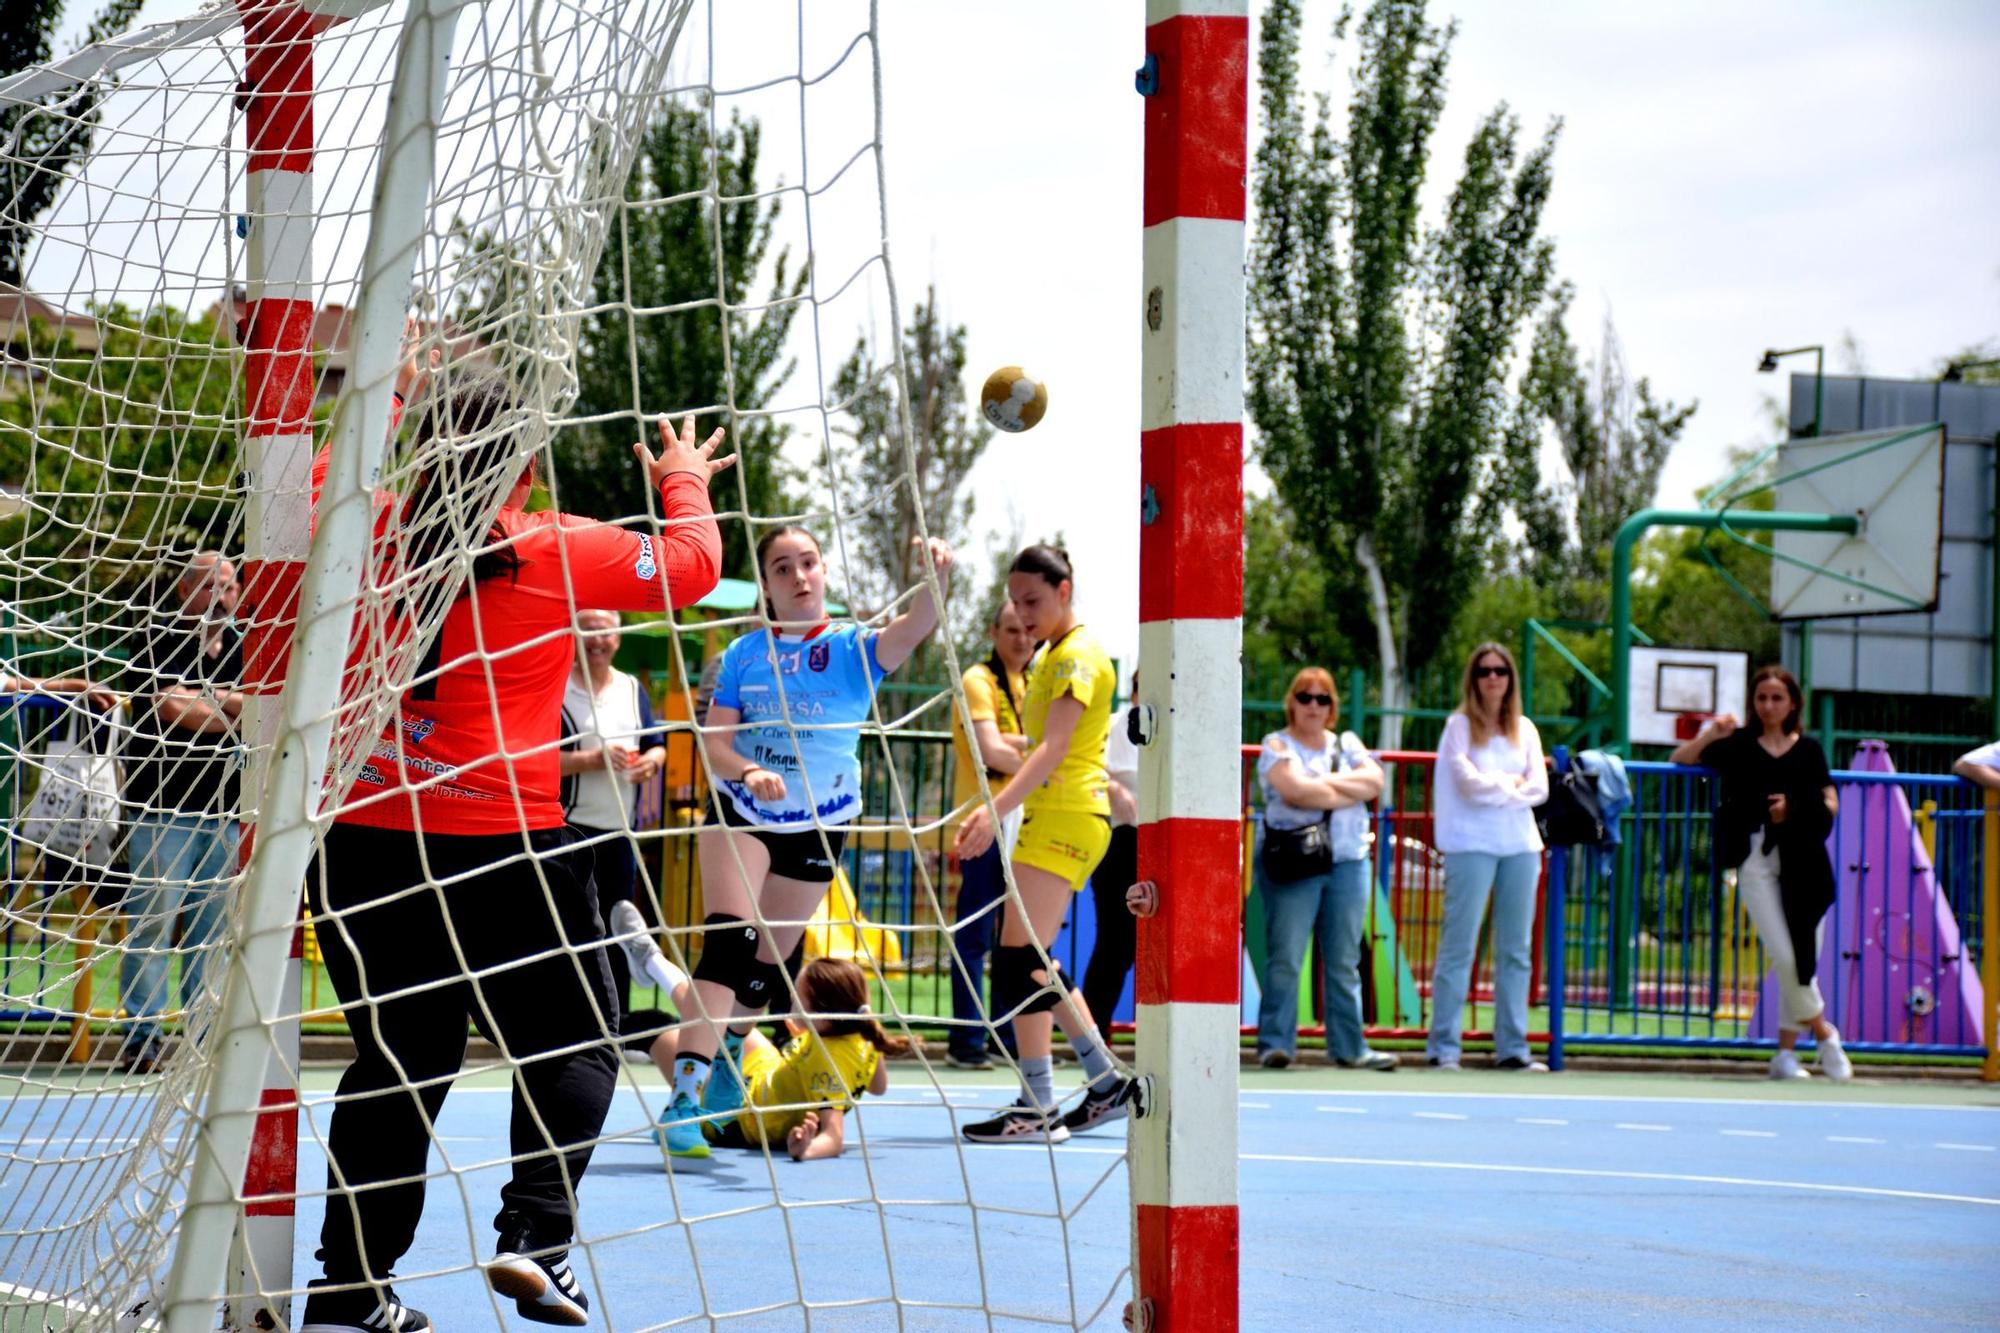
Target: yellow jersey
987, 702
811, 1072
1075, 666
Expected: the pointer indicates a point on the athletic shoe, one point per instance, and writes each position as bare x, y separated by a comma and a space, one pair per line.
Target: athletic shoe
1275, 1059
1449, 1062
1379, 1061
359, 1310
1099, 1106
1832, 1059
1018, 1123
723, 1092
629, 929
976, 1060
679, 1130
1521, 1064
544, 1288
1785, 1064
143, 1056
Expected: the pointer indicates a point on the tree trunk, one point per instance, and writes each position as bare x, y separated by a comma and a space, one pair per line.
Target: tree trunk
1389, 732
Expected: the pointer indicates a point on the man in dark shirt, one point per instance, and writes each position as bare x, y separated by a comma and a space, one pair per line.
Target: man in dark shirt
181, 786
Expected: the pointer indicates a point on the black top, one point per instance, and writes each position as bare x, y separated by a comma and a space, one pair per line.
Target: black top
1750, 775
172, 768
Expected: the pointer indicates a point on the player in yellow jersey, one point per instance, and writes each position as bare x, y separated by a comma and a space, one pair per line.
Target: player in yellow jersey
1064, 797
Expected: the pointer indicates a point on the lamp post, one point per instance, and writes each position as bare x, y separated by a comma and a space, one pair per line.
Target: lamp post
1770, 363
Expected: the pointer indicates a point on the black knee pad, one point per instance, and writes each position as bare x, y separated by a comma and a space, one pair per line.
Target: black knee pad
1014, 984
729, 954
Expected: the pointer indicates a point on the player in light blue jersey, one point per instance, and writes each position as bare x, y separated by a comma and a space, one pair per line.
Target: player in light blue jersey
783, 741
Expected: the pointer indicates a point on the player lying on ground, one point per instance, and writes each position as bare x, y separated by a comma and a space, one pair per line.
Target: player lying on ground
783, 743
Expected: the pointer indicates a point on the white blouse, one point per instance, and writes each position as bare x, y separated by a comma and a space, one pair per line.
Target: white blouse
1477, 803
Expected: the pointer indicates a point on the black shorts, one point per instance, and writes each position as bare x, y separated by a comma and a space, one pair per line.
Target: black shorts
808, 856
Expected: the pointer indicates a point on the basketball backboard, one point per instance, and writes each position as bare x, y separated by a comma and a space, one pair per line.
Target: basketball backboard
1671, 683
1892, 481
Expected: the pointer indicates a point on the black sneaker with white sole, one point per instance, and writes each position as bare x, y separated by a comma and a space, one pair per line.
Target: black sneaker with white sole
1099, 1105
1018, 1123
543, 1285
358, 1310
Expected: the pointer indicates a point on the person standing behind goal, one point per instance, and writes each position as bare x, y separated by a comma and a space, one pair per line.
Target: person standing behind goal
1065, 831
994, 690
461, 804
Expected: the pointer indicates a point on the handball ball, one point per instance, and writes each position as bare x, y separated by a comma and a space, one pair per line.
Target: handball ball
1013, 399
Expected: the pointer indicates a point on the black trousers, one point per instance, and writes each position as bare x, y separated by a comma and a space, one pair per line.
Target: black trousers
385, 954
1117, 946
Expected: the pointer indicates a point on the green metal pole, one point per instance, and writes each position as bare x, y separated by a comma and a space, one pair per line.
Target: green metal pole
1805, 664
1528, 666
1622, 545
1827, 736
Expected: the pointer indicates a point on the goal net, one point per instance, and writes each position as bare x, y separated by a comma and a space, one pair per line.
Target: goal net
255, 258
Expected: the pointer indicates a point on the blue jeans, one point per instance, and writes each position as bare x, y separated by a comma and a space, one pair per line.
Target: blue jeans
1331, 910
1470, 878
181, 868
982, 883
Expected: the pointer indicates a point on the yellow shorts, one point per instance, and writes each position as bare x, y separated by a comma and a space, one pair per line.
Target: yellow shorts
760, 1063
1066, 843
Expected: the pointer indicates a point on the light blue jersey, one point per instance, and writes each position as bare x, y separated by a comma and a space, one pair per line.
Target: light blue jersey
827, 680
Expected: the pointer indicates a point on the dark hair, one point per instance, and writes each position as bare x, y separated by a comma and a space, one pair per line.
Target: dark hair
474, 409
1048, 563
764, 544
836, 989
999, 610
1791, 684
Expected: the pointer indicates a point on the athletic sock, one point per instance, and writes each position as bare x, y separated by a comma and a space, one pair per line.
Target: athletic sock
690, 1075
1097, 1070
1039, 1073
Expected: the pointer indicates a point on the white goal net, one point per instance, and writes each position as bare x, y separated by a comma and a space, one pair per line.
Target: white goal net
297, 303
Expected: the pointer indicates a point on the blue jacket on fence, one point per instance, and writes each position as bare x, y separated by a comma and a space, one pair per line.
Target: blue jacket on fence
1614, 798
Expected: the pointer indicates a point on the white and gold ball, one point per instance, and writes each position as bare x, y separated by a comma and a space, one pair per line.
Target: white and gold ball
1013, 399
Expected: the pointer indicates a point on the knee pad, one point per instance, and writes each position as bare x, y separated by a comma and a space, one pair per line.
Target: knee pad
729, 954
1014, 984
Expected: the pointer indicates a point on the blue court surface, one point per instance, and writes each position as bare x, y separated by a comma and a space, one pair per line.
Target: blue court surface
1415, 1200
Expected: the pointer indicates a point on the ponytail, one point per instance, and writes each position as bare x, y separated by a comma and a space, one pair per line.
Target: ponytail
836, 990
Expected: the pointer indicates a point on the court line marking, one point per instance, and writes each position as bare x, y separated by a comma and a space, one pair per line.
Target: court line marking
1502, 1168
1650, 1129
1538, 1120
1819, 1104
1751, 1133
1439, 1115
1254, 1106
1852, 1138
1964, 1147
1342, 1110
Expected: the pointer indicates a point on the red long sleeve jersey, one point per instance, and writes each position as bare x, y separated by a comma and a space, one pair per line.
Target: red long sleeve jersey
473, 746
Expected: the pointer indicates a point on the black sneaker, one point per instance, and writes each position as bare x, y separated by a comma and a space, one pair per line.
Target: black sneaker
1099, 1106
544, 1288
1018, 1123
144, 1056
358, 1310
968, 1059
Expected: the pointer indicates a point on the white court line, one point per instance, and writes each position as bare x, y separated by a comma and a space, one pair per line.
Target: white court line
1809, 1186
1342, 1110
1439, 1115
1751, 1133
1254, 1106
1852, 1138
1650, 1129
1964, 1147
1815, 1105
1538, 1120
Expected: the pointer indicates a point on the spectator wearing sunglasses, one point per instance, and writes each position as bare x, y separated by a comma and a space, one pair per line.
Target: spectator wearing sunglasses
1490, 777
1312, 870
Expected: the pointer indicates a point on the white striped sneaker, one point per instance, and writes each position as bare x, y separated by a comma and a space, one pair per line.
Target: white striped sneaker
359, 1310
544, 1287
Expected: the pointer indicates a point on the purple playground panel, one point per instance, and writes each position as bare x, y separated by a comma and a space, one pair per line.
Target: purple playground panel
1892, 962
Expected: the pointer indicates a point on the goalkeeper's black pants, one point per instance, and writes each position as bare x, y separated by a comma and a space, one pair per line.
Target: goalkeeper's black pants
555, 1018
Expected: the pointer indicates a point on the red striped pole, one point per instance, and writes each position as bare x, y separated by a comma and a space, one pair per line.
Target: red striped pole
278, 381
1196, 81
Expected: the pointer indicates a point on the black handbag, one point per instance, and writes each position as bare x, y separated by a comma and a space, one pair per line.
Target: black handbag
1294, 854
1572, 816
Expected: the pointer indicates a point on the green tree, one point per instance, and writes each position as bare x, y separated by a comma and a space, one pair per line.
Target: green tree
1613, 437
40, 144
1287, 620
1380, 347
884, 479
688, 246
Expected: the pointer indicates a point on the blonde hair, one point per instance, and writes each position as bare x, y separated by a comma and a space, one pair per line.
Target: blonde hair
1510, 703
1309, 676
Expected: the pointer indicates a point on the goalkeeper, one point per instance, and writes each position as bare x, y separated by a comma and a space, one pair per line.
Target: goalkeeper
782, 739
451, 860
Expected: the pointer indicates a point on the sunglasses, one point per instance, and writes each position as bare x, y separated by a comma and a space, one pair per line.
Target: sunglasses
1307, 697
1481, 673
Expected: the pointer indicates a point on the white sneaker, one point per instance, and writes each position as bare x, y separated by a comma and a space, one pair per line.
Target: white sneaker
1785, 1064
1832, 1059
629, 931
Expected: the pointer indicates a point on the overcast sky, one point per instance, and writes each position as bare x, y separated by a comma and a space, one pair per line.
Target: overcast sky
1731, 176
